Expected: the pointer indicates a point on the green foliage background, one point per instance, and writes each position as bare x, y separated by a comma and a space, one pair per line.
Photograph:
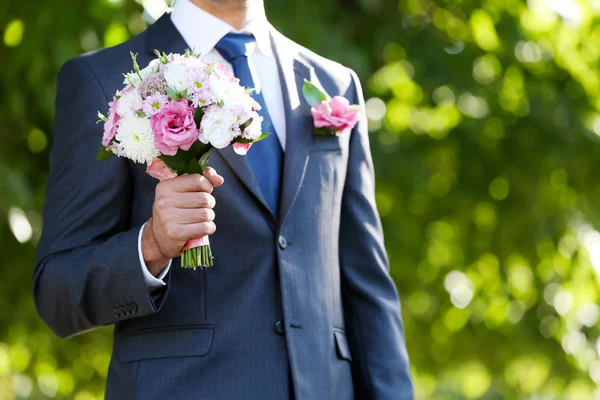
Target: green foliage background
486, 133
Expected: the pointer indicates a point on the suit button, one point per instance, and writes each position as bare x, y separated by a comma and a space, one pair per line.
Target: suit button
127, 309
282, 242
133, 308
122, 311
280, 328
116, 312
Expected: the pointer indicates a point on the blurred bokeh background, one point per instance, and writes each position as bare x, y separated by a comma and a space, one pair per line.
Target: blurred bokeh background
485, 120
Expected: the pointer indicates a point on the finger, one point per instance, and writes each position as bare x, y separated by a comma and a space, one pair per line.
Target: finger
194, 216
190, 183
194, 231
213, 177
194, 200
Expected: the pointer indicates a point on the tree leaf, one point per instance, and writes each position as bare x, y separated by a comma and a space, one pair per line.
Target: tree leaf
312, 94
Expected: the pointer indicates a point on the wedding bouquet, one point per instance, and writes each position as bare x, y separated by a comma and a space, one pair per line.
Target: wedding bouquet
172, 114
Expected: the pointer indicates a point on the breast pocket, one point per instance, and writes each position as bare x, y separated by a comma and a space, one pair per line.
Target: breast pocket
322, 143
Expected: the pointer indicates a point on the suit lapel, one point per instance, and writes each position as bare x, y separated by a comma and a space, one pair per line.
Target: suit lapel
163, 36
292, 73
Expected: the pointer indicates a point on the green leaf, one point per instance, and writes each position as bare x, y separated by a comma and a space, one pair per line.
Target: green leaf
211, 68
172, 93
177, 162
244, 140
140, 114
198, 115
104, 154
204, 159
199, 148
312, 94
245, 124
193, 167
261, 137
324, 132
102, 117
184, 94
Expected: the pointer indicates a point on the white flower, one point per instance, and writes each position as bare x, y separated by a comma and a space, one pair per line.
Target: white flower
176, 76
229, 93
218, 127
132, 79
254, 130
136, 139
154, 65
129, 103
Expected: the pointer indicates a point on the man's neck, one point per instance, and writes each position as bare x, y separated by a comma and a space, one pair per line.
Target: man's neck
236, 13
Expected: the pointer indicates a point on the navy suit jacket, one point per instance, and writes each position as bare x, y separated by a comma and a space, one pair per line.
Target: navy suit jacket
319, 267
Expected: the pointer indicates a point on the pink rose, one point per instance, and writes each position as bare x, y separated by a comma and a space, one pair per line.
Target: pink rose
335, 114
241, 148
110, 126
159, 170
174, 127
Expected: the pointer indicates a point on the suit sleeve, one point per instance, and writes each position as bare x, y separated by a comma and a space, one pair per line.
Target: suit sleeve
371, 304
87, 271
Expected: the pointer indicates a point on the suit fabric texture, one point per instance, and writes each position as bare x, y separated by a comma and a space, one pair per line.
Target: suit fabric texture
319, 267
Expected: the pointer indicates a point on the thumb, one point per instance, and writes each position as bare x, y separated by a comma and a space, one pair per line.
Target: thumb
214, 178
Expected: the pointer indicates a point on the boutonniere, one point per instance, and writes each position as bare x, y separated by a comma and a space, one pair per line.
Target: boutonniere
331, 116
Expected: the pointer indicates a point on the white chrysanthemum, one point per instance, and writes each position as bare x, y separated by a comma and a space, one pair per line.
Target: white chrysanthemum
229, 94
136, 139
218, 127
176, 75
129, 103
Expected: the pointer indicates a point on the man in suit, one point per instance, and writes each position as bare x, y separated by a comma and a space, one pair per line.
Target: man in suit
299, 302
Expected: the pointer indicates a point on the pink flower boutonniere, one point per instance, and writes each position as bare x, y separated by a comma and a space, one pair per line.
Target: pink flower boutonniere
331, 116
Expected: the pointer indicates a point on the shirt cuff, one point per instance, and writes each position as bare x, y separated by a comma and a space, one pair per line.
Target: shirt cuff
151, 281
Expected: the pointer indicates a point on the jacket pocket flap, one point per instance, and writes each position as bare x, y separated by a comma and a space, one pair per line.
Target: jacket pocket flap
341, 344
179, 341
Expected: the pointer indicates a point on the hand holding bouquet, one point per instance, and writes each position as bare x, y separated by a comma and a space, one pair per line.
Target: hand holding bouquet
172, 114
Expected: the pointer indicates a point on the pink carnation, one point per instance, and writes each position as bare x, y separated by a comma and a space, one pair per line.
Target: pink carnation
159, 170
335, 114
110, 126
174, 127
241, 148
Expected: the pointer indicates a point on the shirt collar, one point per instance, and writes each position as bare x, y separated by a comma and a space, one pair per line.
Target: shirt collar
202, 30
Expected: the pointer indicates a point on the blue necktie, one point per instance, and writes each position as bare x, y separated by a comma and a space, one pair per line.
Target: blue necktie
266, 156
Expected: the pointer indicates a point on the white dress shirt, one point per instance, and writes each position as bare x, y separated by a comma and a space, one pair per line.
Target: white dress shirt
202, 31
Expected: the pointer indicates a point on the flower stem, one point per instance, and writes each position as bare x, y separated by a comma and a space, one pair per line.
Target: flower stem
197, 257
